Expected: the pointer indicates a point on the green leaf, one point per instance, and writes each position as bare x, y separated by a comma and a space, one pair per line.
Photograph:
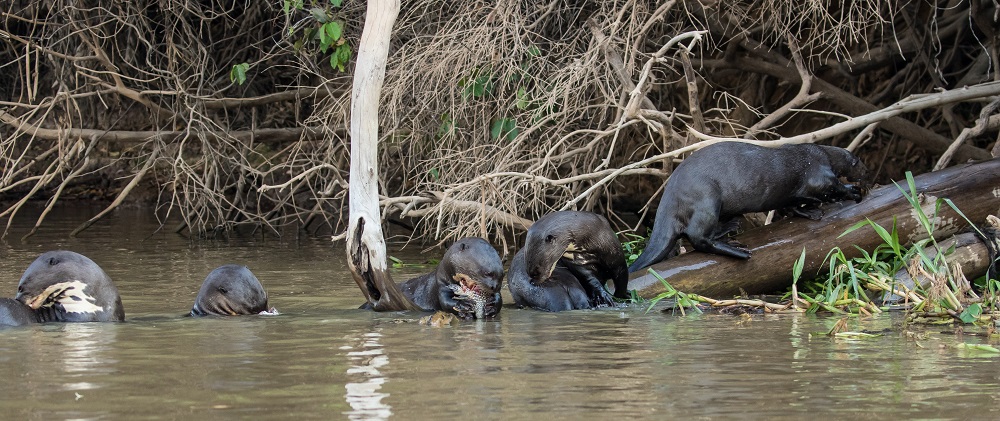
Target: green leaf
334, 30
434, 173
238, 73
977, 347
447, 125
534, 51
855, 227
504, 127
396, 263
522, 98
319, 14
324, 38
797, 266
971, 313
344, 51
340, 57
337, 3
288, 5
496, 129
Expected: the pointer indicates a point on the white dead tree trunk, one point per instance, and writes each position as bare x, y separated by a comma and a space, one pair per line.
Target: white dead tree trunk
366, 254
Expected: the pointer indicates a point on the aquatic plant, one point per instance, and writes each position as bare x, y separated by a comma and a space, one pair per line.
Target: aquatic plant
632, 246
681, 299
848, 283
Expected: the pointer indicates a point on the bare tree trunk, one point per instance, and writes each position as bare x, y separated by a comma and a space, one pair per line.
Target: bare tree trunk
973, 188
366, 255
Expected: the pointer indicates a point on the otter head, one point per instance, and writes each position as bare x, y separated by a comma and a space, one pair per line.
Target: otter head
568, 234
847, 165
475, 262
69, 287
230, 290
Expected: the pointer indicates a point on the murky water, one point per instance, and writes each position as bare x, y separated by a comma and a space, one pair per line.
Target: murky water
324, 359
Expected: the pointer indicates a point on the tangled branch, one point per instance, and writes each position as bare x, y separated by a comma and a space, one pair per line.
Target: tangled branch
494, 113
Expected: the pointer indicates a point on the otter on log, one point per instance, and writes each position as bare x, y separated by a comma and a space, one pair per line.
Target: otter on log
725, 180
64, 286
566, 260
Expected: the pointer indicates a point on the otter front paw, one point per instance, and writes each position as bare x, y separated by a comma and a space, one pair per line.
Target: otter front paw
854, 193
465, 309
602, 299
812, 213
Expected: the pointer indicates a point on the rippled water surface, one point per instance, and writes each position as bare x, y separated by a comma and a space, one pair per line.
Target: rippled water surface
324, 359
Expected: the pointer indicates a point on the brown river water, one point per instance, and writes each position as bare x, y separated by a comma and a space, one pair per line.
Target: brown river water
322, 358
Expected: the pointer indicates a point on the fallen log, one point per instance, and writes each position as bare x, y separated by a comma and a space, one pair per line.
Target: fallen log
966, 250
974, 188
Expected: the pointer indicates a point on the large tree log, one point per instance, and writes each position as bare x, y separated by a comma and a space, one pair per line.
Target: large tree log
974, 188
366, 255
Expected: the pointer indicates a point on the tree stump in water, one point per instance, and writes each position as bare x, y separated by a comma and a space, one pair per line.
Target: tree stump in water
974, 188
366, 255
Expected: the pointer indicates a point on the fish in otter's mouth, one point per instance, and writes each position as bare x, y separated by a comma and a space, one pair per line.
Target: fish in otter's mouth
470, 290
69, 295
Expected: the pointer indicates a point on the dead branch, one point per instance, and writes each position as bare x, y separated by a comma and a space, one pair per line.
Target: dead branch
918, 135
906, 105
270, 136
516, 107
983, 123
801, 99
121, 196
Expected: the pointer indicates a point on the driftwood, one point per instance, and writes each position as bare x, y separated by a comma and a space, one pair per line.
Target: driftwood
974, 188
366, 255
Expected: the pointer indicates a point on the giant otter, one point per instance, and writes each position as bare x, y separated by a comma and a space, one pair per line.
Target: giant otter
567, 258
64, 286
560, 291
466, 282
15, 313
725, 180
230, 290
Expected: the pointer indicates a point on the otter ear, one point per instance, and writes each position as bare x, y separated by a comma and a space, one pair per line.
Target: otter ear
53, 261
462, 246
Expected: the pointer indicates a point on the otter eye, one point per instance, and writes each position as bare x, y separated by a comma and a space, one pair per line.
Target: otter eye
488, 274
223, 290
550, 238
20, 289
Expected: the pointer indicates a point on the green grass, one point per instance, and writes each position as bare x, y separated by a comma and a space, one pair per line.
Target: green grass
844, 287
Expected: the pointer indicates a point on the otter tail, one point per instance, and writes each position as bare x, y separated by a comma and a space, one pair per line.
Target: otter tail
661, 246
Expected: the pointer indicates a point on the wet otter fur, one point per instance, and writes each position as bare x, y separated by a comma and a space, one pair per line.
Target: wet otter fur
64, 286
230, 290
566, 260
16, 313
725, 180
465, 283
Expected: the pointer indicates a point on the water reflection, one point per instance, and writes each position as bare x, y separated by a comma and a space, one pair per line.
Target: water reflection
84, 347
363, 391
